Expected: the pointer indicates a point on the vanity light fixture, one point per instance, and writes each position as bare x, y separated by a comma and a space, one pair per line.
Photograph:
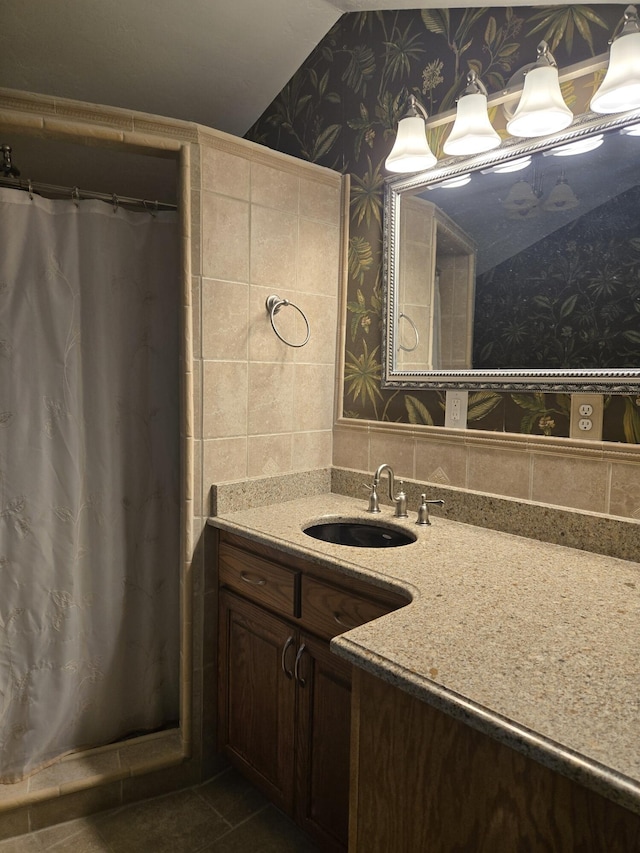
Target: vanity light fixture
561, 197
580, 146
620, 89
632, 130
472, 132
541, 109
411, 152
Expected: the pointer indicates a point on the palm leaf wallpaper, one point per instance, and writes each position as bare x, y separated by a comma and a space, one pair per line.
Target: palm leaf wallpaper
341, 109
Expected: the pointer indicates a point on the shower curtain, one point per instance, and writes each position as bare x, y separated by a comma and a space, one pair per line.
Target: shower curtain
89, 476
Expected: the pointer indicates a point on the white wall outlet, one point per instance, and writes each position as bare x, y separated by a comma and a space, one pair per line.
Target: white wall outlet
586, 416
455, 413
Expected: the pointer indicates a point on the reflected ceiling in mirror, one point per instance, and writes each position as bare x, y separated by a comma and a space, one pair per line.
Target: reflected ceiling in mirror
519, 268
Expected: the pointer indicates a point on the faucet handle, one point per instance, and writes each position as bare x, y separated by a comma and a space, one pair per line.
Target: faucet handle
374, 506
423, 510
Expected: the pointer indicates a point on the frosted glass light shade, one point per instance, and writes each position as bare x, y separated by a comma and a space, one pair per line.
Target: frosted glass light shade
521, 197
620, 89
541, 109
411, 152
472, 132
561, 197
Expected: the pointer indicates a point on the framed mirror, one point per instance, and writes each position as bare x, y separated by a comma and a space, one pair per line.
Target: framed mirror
520, 268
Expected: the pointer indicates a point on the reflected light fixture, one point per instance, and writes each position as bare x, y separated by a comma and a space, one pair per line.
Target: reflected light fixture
508, 166
561, 197
521, 199
580, 146
541, 109
620, 89
472, 132
411, 152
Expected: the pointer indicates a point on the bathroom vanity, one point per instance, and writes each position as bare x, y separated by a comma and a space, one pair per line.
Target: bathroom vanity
498, 710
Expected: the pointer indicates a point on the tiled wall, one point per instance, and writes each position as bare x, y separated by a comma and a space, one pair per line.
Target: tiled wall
597, 477
269, 226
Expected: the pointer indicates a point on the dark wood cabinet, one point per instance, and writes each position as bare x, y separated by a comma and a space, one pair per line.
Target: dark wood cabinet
284, 698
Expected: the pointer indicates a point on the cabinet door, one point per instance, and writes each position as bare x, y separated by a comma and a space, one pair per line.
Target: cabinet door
257, 696
324, 721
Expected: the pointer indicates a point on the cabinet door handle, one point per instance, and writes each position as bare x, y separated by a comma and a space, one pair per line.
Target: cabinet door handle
252, 579
283, 659
296, 666
337, 618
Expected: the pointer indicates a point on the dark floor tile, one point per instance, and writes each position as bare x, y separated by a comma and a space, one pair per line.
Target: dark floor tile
269, 831
180, 823
232, 796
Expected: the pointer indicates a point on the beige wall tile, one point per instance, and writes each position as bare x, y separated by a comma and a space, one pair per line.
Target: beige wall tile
397, 451
225, 309
313, 397
322, 314
625, 490
320, 201
568, 481
270, 398
499, 471
225, 173
224, 459
311, 450
351, 448
225, 238
441, 462
274, 188
269, 454
196, 319
224, 399
274, 242
318, 258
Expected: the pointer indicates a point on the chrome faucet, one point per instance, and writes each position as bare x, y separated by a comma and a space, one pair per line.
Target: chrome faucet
400, 500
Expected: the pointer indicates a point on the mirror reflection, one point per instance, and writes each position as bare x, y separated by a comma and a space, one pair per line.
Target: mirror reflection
528, 263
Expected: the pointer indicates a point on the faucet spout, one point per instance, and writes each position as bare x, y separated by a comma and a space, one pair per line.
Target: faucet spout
400, 500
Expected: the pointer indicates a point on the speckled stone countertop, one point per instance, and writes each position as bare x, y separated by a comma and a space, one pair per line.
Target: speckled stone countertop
536, 644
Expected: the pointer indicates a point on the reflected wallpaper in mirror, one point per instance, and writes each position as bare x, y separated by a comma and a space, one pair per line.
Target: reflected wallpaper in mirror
557, 260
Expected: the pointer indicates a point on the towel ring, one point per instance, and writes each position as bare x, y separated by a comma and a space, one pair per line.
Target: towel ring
274, 304
415, 332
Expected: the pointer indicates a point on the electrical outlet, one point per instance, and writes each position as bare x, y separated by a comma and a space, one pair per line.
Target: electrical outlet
586, 416
455, 413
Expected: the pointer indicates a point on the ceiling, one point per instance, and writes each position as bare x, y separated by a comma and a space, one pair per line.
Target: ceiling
216, 62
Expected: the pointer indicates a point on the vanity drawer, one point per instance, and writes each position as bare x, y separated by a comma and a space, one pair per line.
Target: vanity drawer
328, 610
258, 579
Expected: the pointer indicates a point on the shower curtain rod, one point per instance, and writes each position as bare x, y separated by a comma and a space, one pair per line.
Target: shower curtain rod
78, 195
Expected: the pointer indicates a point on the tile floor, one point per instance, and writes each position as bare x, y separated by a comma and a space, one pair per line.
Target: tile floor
223, 815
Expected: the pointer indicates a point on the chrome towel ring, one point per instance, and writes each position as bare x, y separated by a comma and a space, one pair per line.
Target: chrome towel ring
274, 304
415, 331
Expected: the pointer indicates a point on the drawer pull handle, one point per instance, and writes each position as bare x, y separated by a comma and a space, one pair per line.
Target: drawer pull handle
296, 666
337, 618
254, 580
283, 660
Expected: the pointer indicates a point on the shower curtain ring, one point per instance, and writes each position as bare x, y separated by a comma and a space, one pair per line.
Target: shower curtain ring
30, 188
75, 196
116, 202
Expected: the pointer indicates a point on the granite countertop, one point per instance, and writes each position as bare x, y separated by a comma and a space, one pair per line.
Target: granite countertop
535, 644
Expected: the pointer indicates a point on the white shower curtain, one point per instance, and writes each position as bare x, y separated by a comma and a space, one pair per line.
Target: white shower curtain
89, 476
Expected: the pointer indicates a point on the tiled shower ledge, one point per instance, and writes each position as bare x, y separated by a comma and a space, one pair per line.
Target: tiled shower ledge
92, 767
